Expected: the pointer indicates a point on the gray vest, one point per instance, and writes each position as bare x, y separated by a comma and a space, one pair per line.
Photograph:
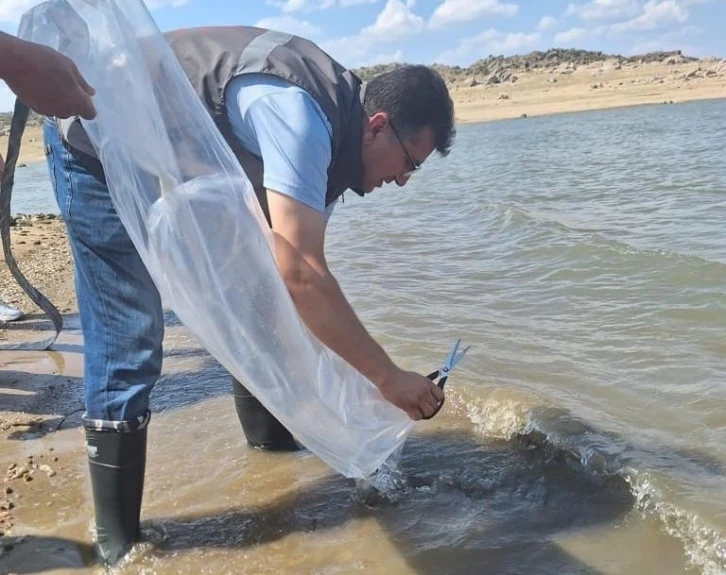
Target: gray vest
211, 57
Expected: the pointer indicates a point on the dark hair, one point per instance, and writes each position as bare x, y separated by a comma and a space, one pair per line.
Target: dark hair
414, 97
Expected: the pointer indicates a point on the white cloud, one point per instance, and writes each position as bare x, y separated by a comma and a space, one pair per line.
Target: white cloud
692, 2
290, 6
667, 16
290, 25
656, 14
346, 3
546, 22
488, 43
395, 21
602, 10
466, 10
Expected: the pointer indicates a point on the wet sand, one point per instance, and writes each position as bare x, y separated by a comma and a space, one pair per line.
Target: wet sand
41, 249
37, 391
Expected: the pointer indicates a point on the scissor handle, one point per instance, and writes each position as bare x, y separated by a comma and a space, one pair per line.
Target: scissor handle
432, 376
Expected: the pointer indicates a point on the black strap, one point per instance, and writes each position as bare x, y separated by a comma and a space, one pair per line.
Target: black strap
17, 127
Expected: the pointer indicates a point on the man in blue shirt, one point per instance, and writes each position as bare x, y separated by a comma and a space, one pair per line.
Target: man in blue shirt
281, 123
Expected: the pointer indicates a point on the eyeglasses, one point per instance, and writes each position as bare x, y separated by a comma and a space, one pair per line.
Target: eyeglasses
413, 164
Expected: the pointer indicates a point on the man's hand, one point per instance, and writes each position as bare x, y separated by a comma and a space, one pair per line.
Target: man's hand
45, 80
415, 394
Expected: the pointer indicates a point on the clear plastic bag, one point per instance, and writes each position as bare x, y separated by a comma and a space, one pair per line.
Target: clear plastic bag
194, 218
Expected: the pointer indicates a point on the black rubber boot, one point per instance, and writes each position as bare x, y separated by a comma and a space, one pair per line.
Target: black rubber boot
117, 462
261, 428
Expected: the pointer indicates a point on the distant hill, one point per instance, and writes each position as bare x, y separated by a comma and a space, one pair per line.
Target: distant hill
552, 58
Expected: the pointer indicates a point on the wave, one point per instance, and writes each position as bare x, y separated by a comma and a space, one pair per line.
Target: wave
704, 546
541, 226
509, 416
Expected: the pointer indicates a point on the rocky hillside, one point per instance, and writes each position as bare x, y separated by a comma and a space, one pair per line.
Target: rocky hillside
500, 68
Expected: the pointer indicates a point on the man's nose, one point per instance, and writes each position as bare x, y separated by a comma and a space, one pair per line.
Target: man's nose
402, 180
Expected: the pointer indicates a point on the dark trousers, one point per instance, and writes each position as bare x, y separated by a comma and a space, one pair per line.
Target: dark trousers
261, 428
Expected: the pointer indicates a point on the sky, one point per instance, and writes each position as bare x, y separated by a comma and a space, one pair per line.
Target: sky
455, 32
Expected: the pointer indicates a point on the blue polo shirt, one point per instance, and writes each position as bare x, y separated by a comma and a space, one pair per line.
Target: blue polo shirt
285, 126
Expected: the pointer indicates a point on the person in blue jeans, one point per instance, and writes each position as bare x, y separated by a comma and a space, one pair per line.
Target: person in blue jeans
305, 130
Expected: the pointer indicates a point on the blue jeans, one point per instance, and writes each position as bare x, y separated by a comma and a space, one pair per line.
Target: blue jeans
119, 305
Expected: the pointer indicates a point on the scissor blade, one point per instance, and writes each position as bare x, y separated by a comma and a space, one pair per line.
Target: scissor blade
453, 358
457, 359
450, 359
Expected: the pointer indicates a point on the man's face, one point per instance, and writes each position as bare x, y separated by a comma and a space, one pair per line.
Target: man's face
388, 156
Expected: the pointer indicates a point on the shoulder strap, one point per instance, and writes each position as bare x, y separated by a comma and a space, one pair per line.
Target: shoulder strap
17, 127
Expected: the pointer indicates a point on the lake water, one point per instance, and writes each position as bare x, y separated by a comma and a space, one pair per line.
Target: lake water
583, 256
32, 193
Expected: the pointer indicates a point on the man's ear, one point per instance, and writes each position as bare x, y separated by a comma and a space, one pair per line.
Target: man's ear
376, 124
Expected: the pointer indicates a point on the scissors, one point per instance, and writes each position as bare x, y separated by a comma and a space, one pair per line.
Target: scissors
451, 360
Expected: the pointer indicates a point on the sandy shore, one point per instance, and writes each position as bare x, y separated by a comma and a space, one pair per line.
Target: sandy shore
596, 86
41, 249
40, 393
31, 149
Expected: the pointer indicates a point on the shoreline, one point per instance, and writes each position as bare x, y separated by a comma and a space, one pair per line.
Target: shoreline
566, 89
599, 86
614, 107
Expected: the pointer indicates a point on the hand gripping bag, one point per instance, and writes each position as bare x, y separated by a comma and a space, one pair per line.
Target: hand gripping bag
196, 223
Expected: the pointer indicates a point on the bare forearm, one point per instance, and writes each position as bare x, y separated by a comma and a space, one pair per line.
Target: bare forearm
299, 238
46, 80
327, 313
